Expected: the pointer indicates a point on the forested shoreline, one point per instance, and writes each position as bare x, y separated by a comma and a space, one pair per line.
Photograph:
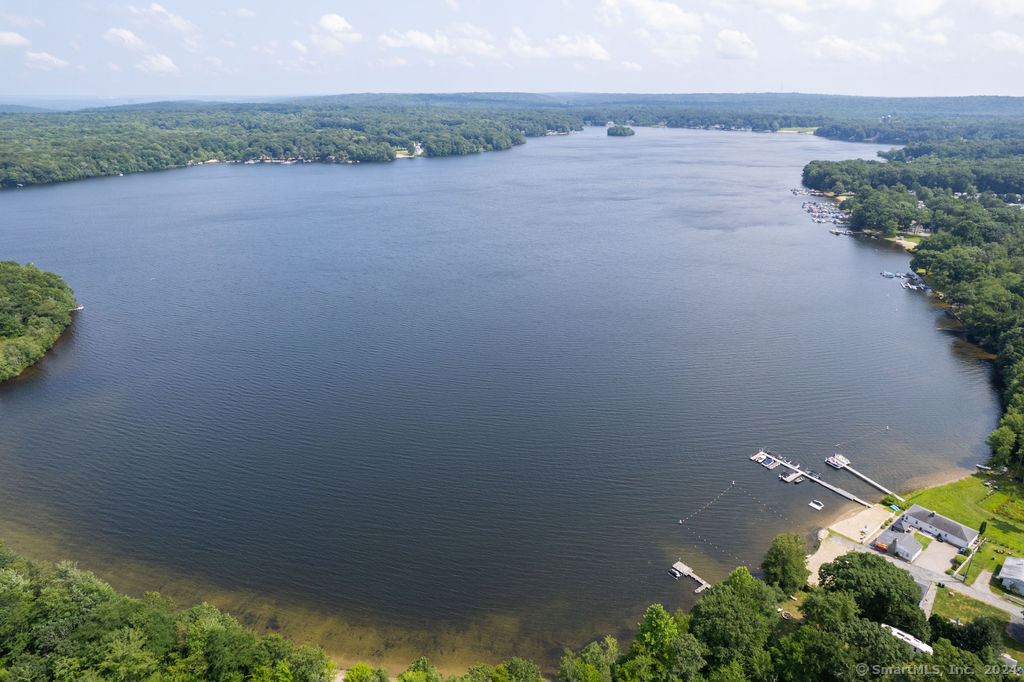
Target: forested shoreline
35, 307
47, 147
967, 196
64, 624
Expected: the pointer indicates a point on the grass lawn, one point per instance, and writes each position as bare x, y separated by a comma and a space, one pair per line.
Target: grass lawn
971, 502
952, 605
798, 129
924, 540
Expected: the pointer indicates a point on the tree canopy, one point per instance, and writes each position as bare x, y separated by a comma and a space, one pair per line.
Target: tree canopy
34, 309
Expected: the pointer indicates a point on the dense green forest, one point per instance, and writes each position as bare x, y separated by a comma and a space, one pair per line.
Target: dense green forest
45, 147
34, 309
64, 624
967, 193
620, 131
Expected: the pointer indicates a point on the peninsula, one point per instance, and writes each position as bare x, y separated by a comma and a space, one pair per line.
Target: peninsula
35, 307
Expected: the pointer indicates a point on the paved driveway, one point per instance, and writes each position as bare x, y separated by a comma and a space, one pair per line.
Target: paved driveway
937, 556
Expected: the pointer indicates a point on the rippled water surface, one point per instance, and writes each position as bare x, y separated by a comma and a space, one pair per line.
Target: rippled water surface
468, 396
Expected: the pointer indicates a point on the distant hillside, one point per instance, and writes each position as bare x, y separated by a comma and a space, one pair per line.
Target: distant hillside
19, 109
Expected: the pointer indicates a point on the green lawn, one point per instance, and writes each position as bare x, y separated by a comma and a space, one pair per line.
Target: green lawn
971, 502
798, 129
924, 540
952, 605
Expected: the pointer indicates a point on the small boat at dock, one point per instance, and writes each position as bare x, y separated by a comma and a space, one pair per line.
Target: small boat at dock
758, 456
837, 461
816, 505
887, 275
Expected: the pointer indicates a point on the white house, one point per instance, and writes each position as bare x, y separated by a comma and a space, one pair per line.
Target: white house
1012, 574
938, 525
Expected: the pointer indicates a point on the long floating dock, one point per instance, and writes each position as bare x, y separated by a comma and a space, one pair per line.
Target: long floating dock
815, 479
868, 480
687, 571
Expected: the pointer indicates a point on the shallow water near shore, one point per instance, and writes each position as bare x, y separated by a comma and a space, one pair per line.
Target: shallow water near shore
457, 407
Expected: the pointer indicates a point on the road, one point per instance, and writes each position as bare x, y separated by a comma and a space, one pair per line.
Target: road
927, 576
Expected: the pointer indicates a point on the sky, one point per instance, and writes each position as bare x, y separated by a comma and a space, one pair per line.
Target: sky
196, 48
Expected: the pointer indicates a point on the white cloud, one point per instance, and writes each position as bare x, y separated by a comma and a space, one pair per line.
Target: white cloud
43, 61
124, 37
453, 5
791, 23
838, 49
521, 46
394, 62
653, 14
113, 67
332, 32
476, 40
915, 9
418, 40
733, 44
159, 14
12, 39
1006, 41
241, 13
1002, 8
668, 30
632, 66
157, 63
298, 45
465, 39
580, 46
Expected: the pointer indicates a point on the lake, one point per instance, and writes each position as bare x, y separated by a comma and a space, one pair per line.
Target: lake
458, 406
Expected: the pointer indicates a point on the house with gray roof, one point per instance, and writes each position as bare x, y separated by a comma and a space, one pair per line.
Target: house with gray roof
946, 530
901, 544
1012, 574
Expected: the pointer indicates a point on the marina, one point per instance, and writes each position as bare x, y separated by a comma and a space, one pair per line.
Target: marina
778, 461
679, 569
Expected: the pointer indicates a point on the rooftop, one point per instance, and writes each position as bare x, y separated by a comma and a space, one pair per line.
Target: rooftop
947, 526
1013, 569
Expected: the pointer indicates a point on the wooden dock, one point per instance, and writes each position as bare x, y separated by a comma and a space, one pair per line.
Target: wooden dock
835, 489
868, 480
687, 571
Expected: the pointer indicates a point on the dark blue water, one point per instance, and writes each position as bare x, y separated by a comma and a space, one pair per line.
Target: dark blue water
434, 391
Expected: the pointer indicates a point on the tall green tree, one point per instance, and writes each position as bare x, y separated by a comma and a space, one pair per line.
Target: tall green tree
785, 563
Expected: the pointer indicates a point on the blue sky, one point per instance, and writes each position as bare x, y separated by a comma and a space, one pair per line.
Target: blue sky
179, 48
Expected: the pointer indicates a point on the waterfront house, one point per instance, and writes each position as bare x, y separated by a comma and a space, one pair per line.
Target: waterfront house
901, 544
945, 530
1012, 574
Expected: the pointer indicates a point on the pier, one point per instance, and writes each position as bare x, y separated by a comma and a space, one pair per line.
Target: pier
837, 490
868, 480
687, 571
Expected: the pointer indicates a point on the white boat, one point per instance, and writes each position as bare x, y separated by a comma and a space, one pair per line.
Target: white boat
674, 573
816, 505
837, 461
758, 456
